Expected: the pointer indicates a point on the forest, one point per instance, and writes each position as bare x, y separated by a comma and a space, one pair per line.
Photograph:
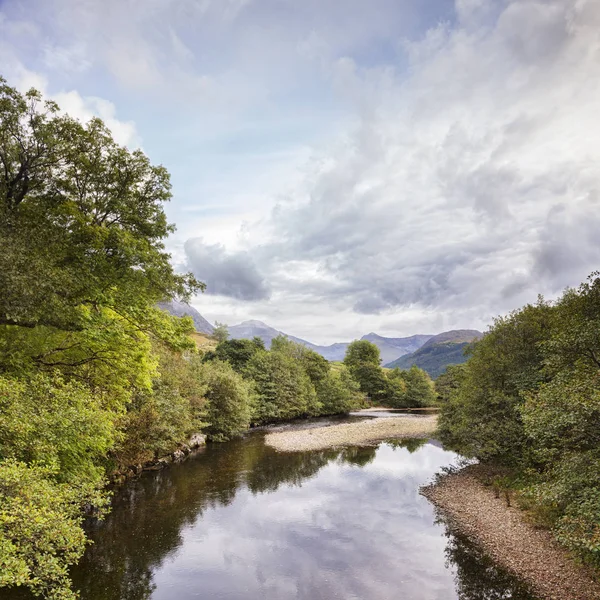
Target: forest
527, 402
94, 376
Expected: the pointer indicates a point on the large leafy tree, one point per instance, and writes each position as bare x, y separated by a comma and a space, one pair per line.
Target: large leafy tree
81, 222
82, 266
284, 389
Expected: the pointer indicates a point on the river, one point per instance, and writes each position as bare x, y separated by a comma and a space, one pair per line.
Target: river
241, 521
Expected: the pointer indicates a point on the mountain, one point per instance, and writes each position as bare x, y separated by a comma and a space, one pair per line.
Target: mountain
390, 348
181, 309
439, 352
249, 329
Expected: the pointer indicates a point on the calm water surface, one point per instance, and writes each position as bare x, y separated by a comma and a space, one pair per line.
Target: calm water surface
241, 521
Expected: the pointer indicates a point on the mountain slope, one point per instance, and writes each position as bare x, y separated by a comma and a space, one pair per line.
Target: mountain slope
181, 309
249, 329
439, 352
392, 348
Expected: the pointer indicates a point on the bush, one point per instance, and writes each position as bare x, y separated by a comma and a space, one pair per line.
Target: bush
48, 421
283, 388
40, 529
161, 419
339, 393
230, 401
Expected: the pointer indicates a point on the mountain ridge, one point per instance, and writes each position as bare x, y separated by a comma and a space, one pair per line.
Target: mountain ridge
392, 349
439, 352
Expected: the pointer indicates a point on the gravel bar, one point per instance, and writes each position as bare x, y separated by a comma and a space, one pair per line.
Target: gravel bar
346, 434
502, 531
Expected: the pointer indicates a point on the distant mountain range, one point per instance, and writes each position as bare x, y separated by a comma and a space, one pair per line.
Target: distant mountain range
430, 352
390, 348
439, 352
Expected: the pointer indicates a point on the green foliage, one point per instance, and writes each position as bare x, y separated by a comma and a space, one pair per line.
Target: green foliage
230, 401
47, 421
284, 389
220, 332
236, 352
82, 266
448, 382
482, 419
338, 393
420, 390
159, 420
40, 529
82, 220
529, 397
396, 389
362, 351
315, 366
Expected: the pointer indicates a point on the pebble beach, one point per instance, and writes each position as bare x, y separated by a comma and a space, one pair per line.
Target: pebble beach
345, 434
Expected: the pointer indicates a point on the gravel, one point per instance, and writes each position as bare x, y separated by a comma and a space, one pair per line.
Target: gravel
369, 430
530, 553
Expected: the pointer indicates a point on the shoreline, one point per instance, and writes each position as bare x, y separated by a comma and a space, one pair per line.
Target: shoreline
348, 434
532, 554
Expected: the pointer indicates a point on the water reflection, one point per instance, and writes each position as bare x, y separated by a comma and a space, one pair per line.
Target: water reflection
242, 521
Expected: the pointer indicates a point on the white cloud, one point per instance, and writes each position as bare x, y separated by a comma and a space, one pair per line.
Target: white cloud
467, 187
465, 180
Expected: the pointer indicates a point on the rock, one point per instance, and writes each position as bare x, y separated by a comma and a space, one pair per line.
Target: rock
198, 439
178, 455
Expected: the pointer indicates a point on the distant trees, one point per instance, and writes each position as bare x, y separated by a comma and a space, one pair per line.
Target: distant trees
220, 332
395, 388
420, 390
236, 352
284, 389
529, 398
360, 352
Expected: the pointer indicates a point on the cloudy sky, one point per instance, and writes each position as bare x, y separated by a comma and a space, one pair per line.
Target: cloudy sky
344, 166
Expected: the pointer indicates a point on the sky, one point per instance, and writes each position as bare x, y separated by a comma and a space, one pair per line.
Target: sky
344, 166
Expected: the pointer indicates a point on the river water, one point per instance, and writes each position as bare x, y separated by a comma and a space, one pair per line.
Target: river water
241, 521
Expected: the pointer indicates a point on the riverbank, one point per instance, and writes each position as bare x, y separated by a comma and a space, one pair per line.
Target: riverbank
502, 531
361, 432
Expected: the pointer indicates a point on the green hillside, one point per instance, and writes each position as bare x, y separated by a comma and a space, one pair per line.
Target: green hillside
434, 358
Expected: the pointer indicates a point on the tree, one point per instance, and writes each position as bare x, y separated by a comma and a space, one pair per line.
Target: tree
420, 390
82, 267
395, 389
230, 401
284, 389
56, 424
220, 332
161, 419
81, 222
362, 360
236, 352
40, 528
362, 351
338, 393
448, 382
315, 366
482, 419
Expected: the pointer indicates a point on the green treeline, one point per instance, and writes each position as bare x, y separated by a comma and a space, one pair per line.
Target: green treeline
393, 388
94, 377
528, 400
